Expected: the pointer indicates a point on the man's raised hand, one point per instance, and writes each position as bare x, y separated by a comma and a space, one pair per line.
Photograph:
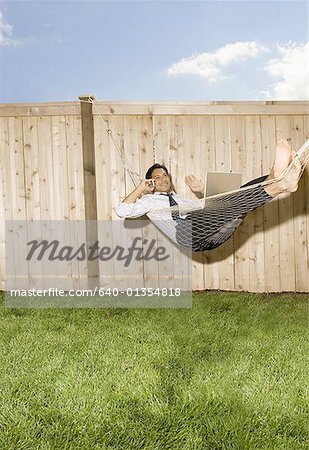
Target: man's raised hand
194, 183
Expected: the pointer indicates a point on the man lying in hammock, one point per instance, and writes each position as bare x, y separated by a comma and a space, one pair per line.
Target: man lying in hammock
204, 224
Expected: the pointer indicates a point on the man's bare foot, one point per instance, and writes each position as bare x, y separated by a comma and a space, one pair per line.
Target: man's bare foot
283, 156
284, 174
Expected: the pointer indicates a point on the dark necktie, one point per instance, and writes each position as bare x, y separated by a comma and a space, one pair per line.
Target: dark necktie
175, 214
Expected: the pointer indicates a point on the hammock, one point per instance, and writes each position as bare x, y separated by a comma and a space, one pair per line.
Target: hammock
210, 225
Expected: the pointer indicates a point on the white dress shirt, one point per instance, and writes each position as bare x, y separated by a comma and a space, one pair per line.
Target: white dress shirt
157, 207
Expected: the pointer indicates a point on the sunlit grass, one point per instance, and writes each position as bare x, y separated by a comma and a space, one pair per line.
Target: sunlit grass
230, 373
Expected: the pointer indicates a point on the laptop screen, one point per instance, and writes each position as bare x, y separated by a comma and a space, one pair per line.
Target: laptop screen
220, 182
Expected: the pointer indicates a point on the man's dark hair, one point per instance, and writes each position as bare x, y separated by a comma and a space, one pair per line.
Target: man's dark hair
148, 175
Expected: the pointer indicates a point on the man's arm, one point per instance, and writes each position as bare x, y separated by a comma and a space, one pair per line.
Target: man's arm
145, 187
132, 206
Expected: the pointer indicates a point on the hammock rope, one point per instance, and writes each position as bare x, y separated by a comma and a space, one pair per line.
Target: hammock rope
135, 177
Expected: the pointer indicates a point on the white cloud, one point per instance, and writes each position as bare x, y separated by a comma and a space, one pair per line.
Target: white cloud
291, 70
6, 33
210, 65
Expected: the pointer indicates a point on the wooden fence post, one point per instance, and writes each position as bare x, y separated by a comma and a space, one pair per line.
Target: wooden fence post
90, 191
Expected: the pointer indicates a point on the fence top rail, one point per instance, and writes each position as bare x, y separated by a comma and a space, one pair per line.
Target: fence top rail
39, 109
203, 108
110, 107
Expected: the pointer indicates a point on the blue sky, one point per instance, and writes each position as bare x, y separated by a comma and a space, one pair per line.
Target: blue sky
161, 50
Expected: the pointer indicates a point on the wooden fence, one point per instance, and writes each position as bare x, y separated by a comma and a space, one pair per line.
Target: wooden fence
62, 161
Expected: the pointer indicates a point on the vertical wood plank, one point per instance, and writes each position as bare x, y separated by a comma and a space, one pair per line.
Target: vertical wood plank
102, 144
241, 235
177, 152
88, 158
208, 164
203, 160
300, 212
271, 210
75, 172
45, 164
116, 148
306, 186
32, 189
32, 178
137, 131
151, 270
46, 178
4, 149
163, 146
286, 225
60, 179
255, 219
224, 253
90, 190
16, 178
118, 276
178, 148
76, 199
145, 148
192, 163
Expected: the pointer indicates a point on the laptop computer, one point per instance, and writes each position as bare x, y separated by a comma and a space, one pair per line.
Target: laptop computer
220, 182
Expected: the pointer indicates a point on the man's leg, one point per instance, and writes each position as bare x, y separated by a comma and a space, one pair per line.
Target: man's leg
217, 221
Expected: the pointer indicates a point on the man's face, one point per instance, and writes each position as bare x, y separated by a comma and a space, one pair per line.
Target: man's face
162, 180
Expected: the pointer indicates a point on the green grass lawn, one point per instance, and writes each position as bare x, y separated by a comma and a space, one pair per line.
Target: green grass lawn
230, 373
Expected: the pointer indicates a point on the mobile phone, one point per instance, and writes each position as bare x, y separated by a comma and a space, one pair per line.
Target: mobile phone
152, 186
